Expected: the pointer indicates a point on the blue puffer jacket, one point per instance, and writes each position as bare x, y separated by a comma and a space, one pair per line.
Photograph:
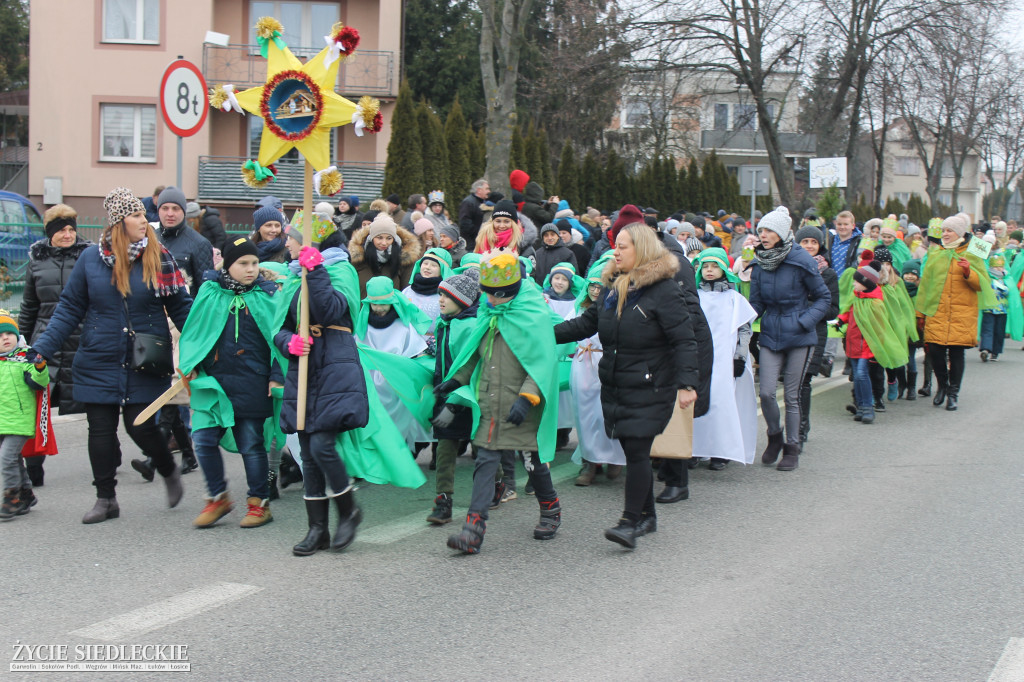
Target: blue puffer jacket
242, 366
790, 301
191, 251
101, 370
336, 387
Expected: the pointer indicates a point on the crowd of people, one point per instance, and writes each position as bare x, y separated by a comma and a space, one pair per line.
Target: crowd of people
491, 330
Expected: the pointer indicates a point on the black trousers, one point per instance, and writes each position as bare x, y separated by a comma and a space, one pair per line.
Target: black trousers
639, 477
105, 448
948, 365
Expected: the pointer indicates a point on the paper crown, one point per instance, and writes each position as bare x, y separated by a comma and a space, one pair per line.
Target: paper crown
892, 224
499, 269
935, 227
435, 197
322, 227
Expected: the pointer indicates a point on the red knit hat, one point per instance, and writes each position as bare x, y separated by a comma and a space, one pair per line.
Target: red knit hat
518, 180
628, 215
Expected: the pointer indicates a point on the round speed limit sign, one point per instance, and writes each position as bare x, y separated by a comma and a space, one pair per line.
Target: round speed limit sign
183, 98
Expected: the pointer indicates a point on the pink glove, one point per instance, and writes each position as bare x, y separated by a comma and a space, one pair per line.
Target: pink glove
299, 346
309, 257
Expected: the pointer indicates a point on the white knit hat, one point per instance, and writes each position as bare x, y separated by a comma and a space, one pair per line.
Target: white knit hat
778, 221
957, 224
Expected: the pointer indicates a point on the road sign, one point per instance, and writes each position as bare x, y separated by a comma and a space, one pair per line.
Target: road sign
183, 98
755, 179
827, 172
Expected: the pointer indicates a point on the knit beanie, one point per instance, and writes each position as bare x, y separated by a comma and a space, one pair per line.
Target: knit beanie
628, 215
293, 231
452, 232
810, 232
671, 225
394, 199
500, 274
353, 201
172, 195
505, 209
698, 221
911, 265
913, 229
882, 254
957, 224
264, 215
235, 249
383, 224
517, 180
686, 228
370, 216
549, 227
192, 210
564, 269
778, 221
1018, 235
272, 201
422, 226
324, 208
462, 289
58, 217
869, 274
989, 237
121, 202
564, 211
693, 244
8, 324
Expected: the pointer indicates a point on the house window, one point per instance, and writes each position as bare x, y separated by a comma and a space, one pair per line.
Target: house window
906, 165
903, 197
638, 115
945, 198
128, 133
948, 168
744, 117
721, 117
131, 21
305, 23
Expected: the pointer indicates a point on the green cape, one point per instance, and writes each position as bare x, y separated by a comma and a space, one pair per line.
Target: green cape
407, 313
888, 345
900, 254
412, 379
900, 309
533, 342
441, 256
933, 280
846, 289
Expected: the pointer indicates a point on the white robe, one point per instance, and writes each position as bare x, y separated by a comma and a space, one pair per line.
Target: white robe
585, 388
729, 429
566, 405
401, 340
428, 303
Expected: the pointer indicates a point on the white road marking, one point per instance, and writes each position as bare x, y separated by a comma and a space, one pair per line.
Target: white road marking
1010, 666
816, 388
165, 612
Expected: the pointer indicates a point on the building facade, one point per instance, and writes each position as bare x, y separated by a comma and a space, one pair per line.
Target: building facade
94, 112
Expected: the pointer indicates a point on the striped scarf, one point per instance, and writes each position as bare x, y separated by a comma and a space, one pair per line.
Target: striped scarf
168, 280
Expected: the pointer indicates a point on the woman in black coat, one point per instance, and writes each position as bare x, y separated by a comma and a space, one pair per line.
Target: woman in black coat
649, 362
128, 283
51, 261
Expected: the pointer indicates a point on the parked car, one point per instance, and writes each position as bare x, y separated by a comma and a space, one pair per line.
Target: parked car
21, 224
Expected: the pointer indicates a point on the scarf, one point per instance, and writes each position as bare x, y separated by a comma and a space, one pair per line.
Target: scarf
390, 255
425, 286
771, 259
232, 284
822, 262
269, 249
383, 321
953, 245
502, 239
168, 280
566, 295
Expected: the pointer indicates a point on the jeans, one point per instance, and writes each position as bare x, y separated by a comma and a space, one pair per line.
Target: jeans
321, 464
486, 467
993, 332
13, 464
248, 435
508, 469
948, 376
791, 364
105, 448
447, 452
862, 383
639, 477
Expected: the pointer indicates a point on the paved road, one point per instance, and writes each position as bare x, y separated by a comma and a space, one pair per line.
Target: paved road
893, 553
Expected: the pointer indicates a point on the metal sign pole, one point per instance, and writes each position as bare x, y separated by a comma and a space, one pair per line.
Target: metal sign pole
178, 176
753, 195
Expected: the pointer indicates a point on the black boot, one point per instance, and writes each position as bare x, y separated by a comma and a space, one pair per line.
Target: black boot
926, 385
911, 384
34, 466
188, 460
790, 457
349, 516
144, 467
433, 456
940, 396
550, 520
469, 539
901, 382
624, 533
272, 482
952, 393
290, 471
771, 453
442, 513
805, 411
317, 538
648, 524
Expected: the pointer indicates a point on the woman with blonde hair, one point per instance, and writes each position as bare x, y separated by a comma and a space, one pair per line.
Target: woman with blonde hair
649, 363
503, 231
120, 288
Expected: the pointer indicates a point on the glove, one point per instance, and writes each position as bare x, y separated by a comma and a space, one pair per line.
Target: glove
309, 257
33, 356
431, 345
445, 387
965, 266
444, 418
517, 414
299, 346
739, 365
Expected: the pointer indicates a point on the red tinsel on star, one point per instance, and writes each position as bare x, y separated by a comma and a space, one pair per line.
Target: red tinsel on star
348, 37
378, 123
268, 119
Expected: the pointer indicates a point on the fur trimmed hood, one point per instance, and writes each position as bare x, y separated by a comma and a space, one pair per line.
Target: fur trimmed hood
42, 250
412, 248
664, 267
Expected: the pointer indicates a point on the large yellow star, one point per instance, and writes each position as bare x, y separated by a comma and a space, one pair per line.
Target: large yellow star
288, 81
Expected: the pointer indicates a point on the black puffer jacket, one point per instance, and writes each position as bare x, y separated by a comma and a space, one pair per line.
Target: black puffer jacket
828, 275
49, 269
649, 353
535, 207
548, 257
192, 253
212, 227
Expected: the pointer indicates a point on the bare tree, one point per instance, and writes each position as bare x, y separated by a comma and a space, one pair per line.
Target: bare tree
1002, 138
880, 110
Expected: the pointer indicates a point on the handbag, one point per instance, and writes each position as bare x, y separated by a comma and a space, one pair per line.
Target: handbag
151, 353
676, 441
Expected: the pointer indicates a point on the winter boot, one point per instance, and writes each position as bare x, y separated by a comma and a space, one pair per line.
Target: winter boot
790, 457
893, 391
174, 489
349, 517
562, 438
771, 453
103, 509
145, 467
867, 415
910, 385
624, 533
952, 394
901, 382
189, 463
442, 513
272, 484
550, 520
648, 523
471, 536
258, 514
926, 384
216, 508
940, 395
318, 537
587, 474
290, 471
499, 493
11, 506
28, 499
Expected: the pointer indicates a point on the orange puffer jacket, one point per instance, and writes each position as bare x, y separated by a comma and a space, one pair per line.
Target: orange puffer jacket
955, 323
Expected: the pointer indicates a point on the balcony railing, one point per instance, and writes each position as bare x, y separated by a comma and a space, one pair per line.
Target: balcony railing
220, 180
750, 140
367, 72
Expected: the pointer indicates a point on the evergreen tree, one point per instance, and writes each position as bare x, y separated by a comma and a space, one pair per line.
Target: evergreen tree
456, 136
533, 156
568, 176
590, 181
830, 203
668, 187
695, 202
682, 190
517, 157
918, 211
616, 182
478, 153
545, 171
435, 157
893, 205
737, 203
403, 172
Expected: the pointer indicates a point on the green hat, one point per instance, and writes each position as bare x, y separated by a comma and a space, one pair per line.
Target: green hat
381, 291
717, 256
500, 274
911, 265
576, 283
7, 323
471, 261
593, 277
441, 256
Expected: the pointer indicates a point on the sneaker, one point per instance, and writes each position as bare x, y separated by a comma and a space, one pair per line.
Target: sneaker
879, 405
994, 358
258, 514
28, 500
216, 508
11, 506
984, 356
510, 494
499, 492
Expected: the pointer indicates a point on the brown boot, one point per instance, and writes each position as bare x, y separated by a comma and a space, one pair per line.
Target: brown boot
790, 457
258, 514
587, 474
216, 508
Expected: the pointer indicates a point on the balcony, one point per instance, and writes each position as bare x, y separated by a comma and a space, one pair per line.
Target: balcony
220, 181
752, 141
367, 72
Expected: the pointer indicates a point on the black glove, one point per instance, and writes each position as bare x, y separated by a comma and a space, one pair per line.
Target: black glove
444, 418
738, 366
33, 356
445, 387
518, 412
431, 345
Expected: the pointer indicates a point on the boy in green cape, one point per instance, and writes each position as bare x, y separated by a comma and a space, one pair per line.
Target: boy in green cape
507, 375
226, 348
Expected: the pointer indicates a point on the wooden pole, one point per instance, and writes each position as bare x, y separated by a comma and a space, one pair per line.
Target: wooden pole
307, 239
